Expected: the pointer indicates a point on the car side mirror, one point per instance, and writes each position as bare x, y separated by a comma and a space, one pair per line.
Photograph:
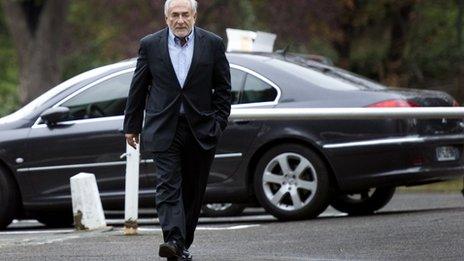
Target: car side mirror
54, 115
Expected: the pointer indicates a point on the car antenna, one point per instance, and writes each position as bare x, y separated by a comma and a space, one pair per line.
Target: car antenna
284, 51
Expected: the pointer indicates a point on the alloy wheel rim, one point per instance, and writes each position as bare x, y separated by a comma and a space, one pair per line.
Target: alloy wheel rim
289, 181
219, 206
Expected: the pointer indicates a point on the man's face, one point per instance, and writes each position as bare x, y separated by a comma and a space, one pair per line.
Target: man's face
181, 18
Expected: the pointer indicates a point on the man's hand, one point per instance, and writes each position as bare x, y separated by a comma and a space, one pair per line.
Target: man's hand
132, 139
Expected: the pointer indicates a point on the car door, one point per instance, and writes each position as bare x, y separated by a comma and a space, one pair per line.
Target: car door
249, 90
89, 140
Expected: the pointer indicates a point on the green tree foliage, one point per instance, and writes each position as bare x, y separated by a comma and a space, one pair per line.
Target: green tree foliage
429, 56
9, 98
433, 47
408, 43
36, 28
100, 35
106, 31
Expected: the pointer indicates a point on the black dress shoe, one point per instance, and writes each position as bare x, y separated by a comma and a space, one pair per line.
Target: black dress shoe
186, 256
170, 250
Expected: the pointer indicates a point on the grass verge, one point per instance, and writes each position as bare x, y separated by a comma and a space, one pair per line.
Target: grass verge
450, 186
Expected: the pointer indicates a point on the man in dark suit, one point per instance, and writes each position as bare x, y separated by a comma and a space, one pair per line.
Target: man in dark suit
182, 83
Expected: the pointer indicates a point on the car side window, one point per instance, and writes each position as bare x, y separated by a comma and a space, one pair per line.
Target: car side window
256, 90
107, 98
237, 78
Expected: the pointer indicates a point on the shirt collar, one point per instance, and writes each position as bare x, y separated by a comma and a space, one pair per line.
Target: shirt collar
190, 37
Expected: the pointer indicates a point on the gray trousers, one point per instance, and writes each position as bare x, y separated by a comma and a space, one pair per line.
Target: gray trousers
181, 176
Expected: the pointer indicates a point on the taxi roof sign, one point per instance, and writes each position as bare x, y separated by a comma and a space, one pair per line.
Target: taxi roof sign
249, 41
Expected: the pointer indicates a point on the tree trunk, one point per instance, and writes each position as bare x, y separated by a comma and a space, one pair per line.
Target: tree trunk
350, 9
343, 45
460, 77
401, 17
460, 4
36, 28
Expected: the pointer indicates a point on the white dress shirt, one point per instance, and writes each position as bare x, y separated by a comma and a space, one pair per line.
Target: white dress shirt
181, 57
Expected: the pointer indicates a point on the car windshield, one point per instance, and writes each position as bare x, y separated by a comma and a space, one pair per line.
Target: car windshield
30, 107
354, 80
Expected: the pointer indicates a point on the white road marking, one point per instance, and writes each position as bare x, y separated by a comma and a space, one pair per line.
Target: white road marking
64, 231
338, 214
206, 228
37, 240
48, 231
52, 240
155, 221
24, 221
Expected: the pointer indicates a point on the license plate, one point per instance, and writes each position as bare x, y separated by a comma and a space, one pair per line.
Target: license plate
447, 153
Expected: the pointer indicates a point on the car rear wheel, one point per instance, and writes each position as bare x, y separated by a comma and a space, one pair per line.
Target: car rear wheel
291, 182
9, 199
222, 209
363, 203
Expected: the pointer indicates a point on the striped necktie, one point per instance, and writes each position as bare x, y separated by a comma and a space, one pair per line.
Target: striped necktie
181, 40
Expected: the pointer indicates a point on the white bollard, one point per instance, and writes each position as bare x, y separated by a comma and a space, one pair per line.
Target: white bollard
87, 207
132, 190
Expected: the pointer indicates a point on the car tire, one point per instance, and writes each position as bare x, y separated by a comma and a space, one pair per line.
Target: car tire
292, 182
222, 209
56, 219
363, 203
9, 199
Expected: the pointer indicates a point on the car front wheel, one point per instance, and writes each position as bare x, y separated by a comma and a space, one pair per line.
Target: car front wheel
9, 199
363, 203
291, 182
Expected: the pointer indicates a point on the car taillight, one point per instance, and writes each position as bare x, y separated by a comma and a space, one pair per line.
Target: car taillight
394, 103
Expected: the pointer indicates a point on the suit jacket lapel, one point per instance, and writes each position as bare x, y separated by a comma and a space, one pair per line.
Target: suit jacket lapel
163, 43
197, 53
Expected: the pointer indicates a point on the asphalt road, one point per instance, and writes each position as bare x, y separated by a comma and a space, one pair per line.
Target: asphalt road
411, 227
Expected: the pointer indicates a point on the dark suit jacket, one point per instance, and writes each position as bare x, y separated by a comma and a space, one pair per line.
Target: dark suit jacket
156, 90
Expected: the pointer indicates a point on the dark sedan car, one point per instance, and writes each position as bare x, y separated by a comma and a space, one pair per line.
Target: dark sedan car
294, 169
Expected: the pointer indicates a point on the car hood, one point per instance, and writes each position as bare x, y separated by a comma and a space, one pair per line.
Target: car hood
11, 122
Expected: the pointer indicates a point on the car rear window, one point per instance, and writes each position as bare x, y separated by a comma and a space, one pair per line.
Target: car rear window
326, 76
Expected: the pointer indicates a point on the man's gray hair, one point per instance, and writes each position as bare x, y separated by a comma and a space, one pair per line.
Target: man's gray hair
167, 4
